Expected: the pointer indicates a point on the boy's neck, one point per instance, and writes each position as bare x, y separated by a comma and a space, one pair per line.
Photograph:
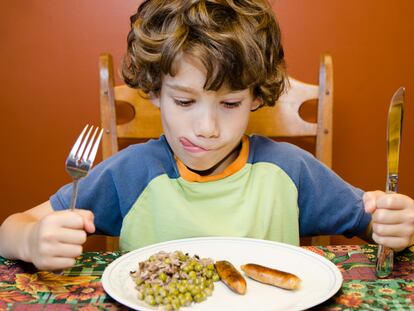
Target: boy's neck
234, 154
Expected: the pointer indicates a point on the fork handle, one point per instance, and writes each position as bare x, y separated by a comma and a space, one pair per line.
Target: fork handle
74, 194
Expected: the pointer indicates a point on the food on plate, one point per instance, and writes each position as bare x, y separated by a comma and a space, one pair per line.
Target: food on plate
271, 276
231, 276
174, 279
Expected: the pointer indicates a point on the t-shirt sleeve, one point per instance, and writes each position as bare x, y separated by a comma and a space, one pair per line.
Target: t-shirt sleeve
328, 204
114, 185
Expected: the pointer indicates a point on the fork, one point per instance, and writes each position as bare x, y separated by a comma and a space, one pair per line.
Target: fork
81, 157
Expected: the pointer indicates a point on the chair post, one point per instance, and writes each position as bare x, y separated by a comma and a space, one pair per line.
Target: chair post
325, 109
324, 131
108, 120
107, 103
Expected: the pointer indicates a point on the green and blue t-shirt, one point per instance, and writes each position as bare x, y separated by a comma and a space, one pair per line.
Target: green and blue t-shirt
273, 190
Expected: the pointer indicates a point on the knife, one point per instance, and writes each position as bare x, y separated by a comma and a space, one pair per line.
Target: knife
385, 256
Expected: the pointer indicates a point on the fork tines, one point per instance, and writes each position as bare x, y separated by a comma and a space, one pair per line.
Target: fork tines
84, 151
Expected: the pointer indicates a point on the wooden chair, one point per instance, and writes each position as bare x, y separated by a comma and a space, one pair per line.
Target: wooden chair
126, 116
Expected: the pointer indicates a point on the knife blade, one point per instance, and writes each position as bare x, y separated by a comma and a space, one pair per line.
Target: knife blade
385, 256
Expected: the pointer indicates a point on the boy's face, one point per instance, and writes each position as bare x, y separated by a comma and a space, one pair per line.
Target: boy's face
203, 128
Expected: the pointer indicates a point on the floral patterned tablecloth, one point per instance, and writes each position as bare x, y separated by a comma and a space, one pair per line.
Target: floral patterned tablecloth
22, 287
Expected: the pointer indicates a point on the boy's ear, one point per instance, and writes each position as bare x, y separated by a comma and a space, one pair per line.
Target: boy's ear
256, 104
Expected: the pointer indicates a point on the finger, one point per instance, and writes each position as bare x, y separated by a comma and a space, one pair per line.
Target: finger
370, 199
70, 236
64, 250
88, 219
400, 230
66, 219
394, 201
70, 250
388, 216
396, 243
55, 263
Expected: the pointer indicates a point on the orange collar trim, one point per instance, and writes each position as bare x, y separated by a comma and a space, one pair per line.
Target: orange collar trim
235, 166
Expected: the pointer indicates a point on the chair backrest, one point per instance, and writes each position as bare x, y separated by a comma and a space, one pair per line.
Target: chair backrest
127, 114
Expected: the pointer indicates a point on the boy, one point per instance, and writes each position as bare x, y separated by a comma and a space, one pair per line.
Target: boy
206, 65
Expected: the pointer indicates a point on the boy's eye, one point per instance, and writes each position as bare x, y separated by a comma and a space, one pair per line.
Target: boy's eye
183, 103
231, 104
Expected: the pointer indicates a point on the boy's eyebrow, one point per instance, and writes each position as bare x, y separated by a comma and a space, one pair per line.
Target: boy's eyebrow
191, 90
181, 88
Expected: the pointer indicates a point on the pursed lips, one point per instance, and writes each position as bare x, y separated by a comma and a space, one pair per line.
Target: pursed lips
189, 146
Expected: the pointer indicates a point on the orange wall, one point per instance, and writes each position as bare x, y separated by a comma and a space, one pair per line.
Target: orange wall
49, 82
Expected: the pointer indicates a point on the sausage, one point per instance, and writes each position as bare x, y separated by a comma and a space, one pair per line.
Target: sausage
231, 276
271, 276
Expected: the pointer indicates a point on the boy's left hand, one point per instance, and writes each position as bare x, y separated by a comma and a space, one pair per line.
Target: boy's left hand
392, 218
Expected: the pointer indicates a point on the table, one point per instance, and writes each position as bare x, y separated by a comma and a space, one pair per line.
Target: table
22, 287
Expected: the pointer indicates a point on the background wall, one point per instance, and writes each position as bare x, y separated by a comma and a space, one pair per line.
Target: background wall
49, 83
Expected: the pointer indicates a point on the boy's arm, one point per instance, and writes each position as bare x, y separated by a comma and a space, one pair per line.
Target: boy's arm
50, 240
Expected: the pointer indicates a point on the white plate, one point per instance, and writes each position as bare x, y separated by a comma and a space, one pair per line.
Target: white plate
321, 279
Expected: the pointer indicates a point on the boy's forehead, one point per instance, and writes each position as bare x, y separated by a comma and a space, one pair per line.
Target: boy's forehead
184, 64
188, 73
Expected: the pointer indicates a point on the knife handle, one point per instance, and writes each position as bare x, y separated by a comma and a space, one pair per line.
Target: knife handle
385, 255
392, 183
385, 261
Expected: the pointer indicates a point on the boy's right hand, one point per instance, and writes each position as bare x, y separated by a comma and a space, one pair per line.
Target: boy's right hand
56, 239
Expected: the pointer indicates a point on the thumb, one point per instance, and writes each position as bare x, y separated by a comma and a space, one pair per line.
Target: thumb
370, 200
88, 218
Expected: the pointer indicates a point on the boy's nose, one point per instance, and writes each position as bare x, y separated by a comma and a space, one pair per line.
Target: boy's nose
206, 124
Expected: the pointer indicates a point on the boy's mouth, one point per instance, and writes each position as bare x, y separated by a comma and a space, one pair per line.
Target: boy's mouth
190, 147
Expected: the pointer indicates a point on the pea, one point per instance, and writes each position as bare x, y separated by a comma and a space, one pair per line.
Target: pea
148, 291
203, 296
181, 288
175, 302
183, 258
198, 298
162, 292
140, 295
166, 300
188, 296
158, 299
150, 300
163, 277
192, 275
184, 302
208, 291
215, 277
195, 291
174, 291
209, 274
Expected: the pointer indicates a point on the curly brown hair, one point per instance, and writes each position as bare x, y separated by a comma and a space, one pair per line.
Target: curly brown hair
237, 41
